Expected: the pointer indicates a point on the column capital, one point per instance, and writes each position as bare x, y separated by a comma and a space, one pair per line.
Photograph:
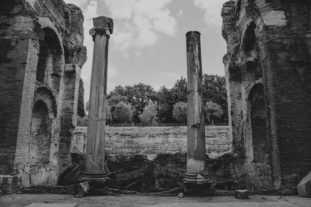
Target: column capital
102, 26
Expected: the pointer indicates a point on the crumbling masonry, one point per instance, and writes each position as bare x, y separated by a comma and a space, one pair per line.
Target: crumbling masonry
41, 55
269, 78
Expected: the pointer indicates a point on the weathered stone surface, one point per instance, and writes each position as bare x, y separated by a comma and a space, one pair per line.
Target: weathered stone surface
268, 90
241, 194
304, 187
151, 141
196, 150
95, 148
34, 37
8, 184
53, 205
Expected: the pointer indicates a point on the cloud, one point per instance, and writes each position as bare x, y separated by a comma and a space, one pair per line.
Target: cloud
212, 9
139, 23
79, 3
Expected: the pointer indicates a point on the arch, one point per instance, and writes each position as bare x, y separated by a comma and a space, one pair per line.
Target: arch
51, 56
249, 38
41, 134
44, 94
258, 123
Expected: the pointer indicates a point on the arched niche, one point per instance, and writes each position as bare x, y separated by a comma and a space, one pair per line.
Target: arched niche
41, 134
249, 40
44, 113
258, 123
51, 59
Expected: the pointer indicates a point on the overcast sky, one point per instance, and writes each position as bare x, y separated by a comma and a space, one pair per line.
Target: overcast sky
148, 44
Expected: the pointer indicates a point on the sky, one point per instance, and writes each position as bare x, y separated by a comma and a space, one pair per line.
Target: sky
149, 44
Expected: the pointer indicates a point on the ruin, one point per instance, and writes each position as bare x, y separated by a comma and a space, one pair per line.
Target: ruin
268, 78
41, 55
95, 152
268, 81
196, 153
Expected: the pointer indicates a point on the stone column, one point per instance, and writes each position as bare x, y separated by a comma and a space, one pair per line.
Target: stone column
95, 152
196, 153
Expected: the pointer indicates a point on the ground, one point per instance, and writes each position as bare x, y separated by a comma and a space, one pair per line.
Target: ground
21, 200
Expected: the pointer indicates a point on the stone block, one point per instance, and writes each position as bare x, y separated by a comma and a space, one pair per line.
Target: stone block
304, 187
8, 184
241, 194
53, 205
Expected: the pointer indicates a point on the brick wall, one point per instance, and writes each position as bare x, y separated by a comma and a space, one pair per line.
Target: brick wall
155, 140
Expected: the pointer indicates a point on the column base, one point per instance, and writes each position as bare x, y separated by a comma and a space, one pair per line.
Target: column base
94, 179
197, 184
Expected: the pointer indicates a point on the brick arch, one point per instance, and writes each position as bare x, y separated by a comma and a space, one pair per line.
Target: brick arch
45, 95
51, 56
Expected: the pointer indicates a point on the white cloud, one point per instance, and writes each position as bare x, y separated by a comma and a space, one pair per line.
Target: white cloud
79, 3
212, 9
138, 23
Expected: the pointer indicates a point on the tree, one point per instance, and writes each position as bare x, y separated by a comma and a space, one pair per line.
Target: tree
214, 89
180, 112
137, 96
179, 91
149, 114
213, 111
165, 103
122, 113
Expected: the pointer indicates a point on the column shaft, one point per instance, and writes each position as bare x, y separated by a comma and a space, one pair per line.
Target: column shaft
95, 158
196, 126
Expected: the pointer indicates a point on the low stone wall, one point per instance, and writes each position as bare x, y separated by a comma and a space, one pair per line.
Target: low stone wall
151, 141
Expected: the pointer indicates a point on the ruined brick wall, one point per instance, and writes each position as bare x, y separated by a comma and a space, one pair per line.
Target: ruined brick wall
152, 141
39, 96
267, 65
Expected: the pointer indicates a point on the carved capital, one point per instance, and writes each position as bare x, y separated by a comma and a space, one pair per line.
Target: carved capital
102, 26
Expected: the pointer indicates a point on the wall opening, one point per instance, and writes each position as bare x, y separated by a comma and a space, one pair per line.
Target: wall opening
249, 40
258, 123
41, 133
50, 60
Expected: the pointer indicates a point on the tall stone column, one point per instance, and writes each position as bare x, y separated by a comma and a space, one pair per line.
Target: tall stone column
196, 152
95, 152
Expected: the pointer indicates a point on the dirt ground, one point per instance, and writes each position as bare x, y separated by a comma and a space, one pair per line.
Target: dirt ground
22, 200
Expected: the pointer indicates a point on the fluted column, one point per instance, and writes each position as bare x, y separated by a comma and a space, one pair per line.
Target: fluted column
95, 152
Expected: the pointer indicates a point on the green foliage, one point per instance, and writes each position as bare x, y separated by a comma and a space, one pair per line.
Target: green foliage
149, 114
214, 89
165, 105
179, 90
213, 111
180, 112
138, 96
122, 113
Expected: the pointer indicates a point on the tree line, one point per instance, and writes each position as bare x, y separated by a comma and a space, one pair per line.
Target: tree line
141, 104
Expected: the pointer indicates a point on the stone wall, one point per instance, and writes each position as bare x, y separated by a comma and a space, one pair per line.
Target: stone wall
152, 141
269, 89
41, 55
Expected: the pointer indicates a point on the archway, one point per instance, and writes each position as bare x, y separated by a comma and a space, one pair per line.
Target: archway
258, 123
41, 134
50, 60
